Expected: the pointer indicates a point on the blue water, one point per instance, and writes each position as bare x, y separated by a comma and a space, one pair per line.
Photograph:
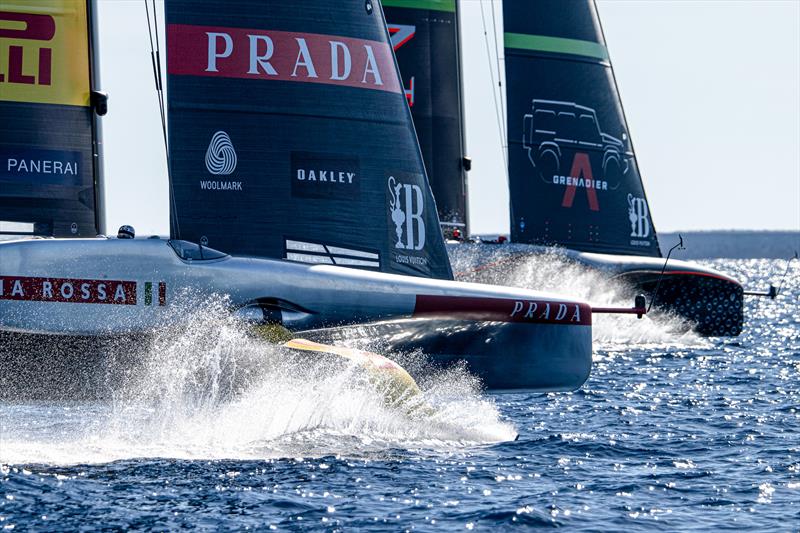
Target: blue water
670, 432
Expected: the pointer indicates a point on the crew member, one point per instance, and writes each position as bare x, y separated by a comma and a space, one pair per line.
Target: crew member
126, 232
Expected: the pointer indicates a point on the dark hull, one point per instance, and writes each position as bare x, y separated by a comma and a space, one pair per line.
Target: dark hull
555, 362
711, 302
713, 305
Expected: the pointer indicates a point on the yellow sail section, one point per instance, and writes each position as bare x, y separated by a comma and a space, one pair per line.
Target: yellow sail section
44, 52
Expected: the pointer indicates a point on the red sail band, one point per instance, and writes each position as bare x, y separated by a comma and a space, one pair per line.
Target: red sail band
279, 55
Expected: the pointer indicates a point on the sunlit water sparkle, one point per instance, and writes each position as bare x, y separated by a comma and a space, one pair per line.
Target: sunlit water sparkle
671, 431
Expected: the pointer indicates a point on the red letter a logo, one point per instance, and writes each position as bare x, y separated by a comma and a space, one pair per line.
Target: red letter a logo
581, 168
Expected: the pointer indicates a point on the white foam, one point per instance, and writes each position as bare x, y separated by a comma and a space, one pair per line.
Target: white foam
213, 392
553, 271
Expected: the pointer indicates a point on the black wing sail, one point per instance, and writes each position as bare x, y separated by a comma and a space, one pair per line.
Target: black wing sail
290, 136
425, 36
47, 170
573, 176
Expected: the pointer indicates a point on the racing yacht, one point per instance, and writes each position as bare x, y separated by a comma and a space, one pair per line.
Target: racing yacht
298, 195
573, 178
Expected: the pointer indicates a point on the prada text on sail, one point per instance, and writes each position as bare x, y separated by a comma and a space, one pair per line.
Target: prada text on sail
281, 55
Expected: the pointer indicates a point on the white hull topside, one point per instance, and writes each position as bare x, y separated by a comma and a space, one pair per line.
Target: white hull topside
108, 286
520, 339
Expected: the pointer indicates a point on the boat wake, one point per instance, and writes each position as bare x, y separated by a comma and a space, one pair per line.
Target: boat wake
552, 271
213, 391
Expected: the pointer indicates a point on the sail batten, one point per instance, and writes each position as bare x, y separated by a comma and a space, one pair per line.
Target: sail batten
573, 176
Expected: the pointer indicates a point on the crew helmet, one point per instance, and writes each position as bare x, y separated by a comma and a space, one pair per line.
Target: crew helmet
126, 232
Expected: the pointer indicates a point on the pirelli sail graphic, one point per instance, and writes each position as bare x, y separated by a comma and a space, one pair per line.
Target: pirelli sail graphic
424, 36
290, 136
47, 171
573, 176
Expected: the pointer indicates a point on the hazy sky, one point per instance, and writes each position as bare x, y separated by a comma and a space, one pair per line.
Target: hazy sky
711, 92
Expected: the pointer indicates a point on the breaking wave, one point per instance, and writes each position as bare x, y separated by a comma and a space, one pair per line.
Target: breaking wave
213, 391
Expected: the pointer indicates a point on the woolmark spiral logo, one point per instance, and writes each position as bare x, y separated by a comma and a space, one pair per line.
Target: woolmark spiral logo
220, 156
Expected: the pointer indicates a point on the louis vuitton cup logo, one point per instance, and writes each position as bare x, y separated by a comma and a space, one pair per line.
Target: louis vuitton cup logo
638, 215
406, 205
220, 156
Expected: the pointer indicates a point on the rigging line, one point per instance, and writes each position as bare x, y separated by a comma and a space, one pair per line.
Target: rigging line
497, 58
500, 89
159, 84
497, 113
679, 246
773, 291
783, 278
155, 57
158, 48
160, 90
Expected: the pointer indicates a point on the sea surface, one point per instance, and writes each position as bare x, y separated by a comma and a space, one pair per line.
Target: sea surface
671, 432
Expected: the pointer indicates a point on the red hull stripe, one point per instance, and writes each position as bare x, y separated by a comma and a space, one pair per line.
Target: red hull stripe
504, 310
68, 290
285, 56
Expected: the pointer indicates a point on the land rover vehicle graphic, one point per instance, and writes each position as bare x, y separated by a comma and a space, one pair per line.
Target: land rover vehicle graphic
554, 131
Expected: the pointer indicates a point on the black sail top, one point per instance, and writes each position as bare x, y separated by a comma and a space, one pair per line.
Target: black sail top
290, 136
47, 169
424, 36
573, 176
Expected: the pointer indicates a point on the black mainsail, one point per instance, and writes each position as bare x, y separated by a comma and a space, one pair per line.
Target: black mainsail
290, 136
573, 177
47, 163
425, 39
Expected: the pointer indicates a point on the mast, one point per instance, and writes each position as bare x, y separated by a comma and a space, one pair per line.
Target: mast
466, 162
99, 103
